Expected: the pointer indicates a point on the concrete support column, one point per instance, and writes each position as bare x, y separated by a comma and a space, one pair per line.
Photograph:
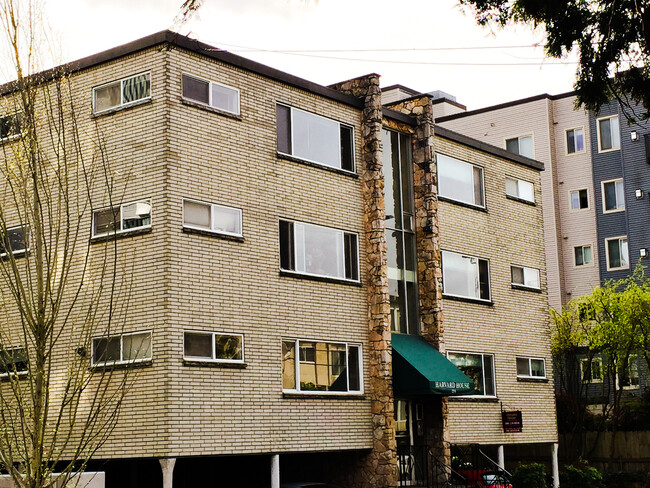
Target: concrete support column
275, 471
501, 458
167, 466
555, 465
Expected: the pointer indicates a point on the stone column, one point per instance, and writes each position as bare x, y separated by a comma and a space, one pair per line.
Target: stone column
380, 466
555, 465
501, 457
425, 190
275, 471
167, 466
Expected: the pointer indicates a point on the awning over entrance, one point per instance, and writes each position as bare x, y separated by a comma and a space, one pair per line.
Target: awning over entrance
419, 369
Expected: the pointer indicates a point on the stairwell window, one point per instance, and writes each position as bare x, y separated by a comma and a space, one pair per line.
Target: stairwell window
319, 251
579, 199
460, 181
211, 93
13, 360
522, 145
575, 141
465, 276
583, 255
211, 217
128, 348
531, 368
609, 136
523, 190
321, 367
613, 196
213, 347
122, 92
524, 277
15, 241
479, 368
617, 253
123, 218
314, 138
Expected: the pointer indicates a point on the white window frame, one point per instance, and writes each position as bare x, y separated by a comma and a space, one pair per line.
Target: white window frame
583, 363
566, 140
593, 256
347, 369
320, 163
578, 190
214, 208
121, 82
518, 182
598, 120
210, 83
123, 231
523, 136
21, 372
617, 238
341, 241
530, 367
472, 204
19, 252
494, 374
523, 285
445, 293
602, 192
214, 358
122, 361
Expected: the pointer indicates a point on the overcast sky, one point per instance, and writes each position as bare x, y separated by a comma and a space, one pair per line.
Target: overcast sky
417, 43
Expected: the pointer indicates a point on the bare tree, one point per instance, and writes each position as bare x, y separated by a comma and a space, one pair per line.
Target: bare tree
58, 294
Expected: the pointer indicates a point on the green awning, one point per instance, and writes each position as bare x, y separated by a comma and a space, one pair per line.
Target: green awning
419, 369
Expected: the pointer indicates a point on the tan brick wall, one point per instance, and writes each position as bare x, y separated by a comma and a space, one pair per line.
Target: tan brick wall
510, 232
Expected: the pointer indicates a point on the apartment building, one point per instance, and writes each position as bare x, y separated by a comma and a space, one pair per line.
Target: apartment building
318, 284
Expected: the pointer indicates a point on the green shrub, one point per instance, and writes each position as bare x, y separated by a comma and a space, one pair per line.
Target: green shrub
529, 476
581, 476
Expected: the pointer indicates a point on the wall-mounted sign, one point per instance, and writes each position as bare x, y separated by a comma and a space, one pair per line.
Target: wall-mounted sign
511, 421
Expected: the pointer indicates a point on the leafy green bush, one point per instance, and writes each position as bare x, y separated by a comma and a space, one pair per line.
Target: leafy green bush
529, 476
581, 476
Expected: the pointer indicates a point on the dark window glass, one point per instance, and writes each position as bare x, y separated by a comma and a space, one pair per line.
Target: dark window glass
489, 375
517, 275
353, 368
351, 261
106, 349
614, 249
605, 134
584, 202
484, 279
286, 246
347, 157
512, 145
198, 345
283, 115
135, 88
13, 361
610, 196
107, 220
228, 347
579, 256
571, 143
523, 367
195, 89
9, 126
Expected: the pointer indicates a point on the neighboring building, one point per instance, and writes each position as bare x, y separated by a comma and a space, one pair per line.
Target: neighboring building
274, 234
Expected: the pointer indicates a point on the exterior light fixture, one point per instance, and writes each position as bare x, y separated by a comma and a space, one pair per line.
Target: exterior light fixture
634, 135
643, 252
638, 194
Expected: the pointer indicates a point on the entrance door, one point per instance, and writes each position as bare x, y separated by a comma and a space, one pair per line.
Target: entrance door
404, 439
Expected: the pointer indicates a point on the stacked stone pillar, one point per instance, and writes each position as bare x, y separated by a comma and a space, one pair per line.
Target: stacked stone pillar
379, 468
428, 255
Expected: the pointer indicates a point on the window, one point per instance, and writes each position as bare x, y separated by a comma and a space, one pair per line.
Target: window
213, 346
579, 199
575, 141
211, 93
531, 368
609, 136
13, 361
617, 253
321, 367
520, 189
16, 241
10, 126
591, 371
629, 379
526, 277
613, 196
314, 138
583, 255
212, 217
522, 145
400, 236
319, 251
465, 276
119, 349
121, 92
479, 368
460, 181
122, 218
